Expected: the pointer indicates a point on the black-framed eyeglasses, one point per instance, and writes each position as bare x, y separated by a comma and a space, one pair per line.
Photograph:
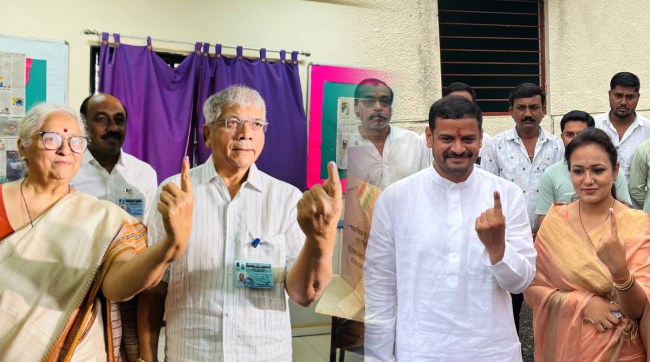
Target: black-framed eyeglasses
53, 141
384, 102
233, 123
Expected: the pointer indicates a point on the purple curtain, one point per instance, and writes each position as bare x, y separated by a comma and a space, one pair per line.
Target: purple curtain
158, 100
165, 105
285, 149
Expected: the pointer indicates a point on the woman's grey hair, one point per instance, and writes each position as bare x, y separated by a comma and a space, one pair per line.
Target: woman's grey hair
35, 118
234, 95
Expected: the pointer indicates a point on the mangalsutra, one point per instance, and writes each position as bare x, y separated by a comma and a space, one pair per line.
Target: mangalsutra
583, 225
25, 201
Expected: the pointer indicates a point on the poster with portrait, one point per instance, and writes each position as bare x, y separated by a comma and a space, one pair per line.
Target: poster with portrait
331, 95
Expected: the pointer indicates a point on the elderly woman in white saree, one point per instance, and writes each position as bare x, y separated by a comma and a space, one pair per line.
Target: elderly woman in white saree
61, 251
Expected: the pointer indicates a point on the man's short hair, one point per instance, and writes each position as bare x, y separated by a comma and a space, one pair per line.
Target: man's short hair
526, 90
84, 105
625, 79
234, 95
459, 87
454, 107
576, 115
371, 82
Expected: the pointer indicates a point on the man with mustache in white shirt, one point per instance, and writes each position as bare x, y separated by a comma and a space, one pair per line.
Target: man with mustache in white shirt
107, 172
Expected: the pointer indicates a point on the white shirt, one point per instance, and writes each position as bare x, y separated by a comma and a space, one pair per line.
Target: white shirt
506, 156
128, 173
208, 317
431, 291
638, 132
402, 156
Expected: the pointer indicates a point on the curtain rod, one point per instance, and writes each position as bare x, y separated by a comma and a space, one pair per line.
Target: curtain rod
98, 33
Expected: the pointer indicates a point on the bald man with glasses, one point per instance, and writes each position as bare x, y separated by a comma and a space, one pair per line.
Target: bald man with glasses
379, 152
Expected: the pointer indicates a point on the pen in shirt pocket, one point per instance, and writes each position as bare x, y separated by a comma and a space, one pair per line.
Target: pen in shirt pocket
255, 242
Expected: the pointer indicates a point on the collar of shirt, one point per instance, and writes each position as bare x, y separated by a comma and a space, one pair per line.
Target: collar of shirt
209, 173
447, 184
512, 134
639, 121
393, 133
90, 159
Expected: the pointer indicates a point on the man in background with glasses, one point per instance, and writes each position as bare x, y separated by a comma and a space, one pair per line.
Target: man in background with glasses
244, 224
107, 172
379, 152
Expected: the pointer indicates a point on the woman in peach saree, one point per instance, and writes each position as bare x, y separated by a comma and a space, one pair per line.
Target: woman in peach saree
592, 287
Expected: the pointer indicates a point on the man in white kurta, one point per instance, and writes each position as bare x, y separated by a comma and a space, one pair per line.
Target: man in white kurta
379, 152
447, 246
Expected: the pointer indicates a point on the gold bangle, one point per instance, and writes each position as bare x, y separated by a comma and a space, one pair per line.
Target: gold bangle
626, 285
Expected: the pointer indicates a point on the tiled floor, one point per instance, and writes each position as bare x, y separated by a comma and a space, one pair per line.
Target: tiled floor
305, 349
317, 349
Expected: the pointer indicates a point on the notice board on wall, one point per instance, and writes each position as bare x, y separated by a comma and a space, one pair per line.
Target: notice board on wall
47, 65
31, 71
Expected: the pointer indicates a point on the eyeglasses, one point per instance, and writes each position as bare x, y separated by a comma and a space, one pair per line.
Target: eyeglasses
53, 141
233, 123
370, 102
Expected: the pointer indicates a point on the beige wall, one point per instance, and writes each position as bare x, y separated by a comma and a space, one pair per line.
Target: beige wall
587, 41
371, 34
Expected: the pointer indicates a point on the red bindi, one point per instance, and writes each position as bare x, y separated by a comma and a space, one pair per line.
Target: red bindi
458, 132
65, 130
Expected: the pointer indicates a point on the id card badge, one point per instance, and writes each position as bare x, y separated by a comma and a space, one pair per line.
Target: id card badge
253, 274
133, 204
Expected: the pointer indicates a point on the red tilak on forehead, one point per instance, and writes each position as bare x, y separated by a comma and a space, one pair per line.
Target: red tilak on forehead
65, 130
458, 132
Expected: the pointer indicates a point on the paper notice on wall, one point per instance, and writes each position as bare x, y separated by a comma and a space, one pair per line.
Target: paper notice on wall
12, 84
346, 125
12, 167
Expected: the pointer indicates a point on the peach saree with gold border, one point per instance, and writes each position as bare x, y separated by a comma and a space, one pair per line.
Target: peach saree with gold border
569, 274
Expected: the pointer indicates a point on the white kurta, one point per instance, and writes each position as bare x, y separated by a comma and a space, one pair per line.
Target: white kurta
431, 293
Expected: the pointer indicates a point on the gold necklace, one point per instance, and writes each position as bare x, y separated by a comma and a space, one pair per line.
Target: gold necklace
583, 225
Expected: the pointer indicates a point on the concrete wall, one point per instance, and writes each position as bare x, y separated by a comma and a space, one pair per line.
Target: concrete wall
587, 41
